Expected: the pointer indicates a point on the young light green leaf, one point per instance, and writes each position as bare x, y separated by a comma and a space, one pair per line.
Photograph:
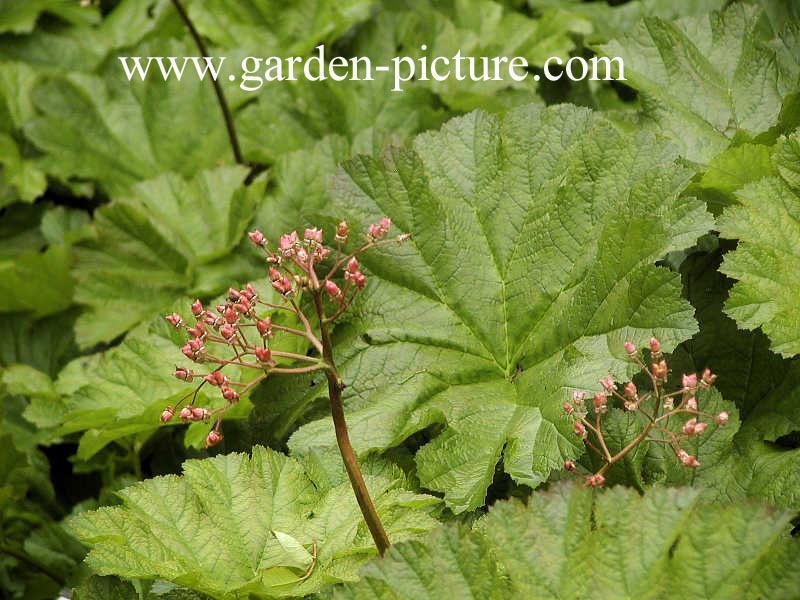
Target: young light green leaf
530, 264
571, 542
222, 528
766, 262
157, 244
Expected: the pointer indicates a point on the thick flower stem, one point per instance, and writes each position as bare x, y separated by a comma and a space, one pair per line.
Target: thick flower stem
335, 386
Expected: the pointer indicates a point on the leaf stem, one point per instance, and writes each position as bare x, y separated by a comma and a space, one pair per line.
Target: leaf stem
223, 104
335, 386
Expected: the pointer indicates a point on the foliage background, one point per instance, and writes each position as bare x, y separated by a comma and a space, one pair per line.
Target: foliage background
551, 222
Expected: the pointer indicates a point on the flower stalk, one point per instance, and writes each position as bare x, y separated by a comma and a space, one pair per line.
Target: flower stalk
236, 334
656, 407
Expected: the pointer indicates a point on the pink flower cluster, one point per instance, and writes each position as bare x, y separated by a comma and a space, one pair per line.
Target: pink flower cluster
657, 407
238, 332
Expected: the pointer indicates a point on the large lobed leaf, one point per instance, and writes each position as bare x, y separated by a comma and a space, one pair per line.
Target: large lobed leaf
767, 260
233, 525
530, 264
573, 543
707, 78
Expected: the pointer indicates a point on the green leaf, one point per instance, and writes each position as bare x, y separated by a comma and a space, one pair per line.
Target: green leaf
151, 244
113, 588
741, 459
766, 262
20, 17
530, 264
573, 543
113, 131
46, 344
36, 259
121, 392
449, 563
605, 21
235, 524
274, 27
731, 170
705, 79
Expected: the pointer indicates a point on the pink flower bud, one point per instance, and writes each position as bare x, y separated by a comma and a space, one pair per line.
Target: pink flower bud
287, 242
220, 308
264, 327
403, 237
167, 414
378, 230
249, 292
687, 460
600, 401
700, 428
274, 274
630, 349
197, 331
568, 408
341, 232
595, 480
283, 285
186, 413
655, 345
182, 373
569, 465
231, 316
213, 438
332, 289
359, 279
708, 378
175, 320
722, 418
631, 391
242, 307
200, 414
233, 295
302, 256
197, 308
257, 238
313, 235
689, 382
216, 378
578, 396
691, 404
689, 427
229, 394
227, 331
193, 349
578, 429
607, 383
263, 355
660, 370
352, 265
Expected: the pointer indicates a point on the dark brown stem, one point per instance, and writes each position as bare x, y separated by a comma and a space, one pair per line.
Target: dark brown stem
335, 386
223, 104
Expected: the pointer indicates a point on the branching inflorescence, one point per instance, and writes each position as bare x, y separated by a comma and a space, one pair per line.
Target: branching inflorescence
239, 333
656, 406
